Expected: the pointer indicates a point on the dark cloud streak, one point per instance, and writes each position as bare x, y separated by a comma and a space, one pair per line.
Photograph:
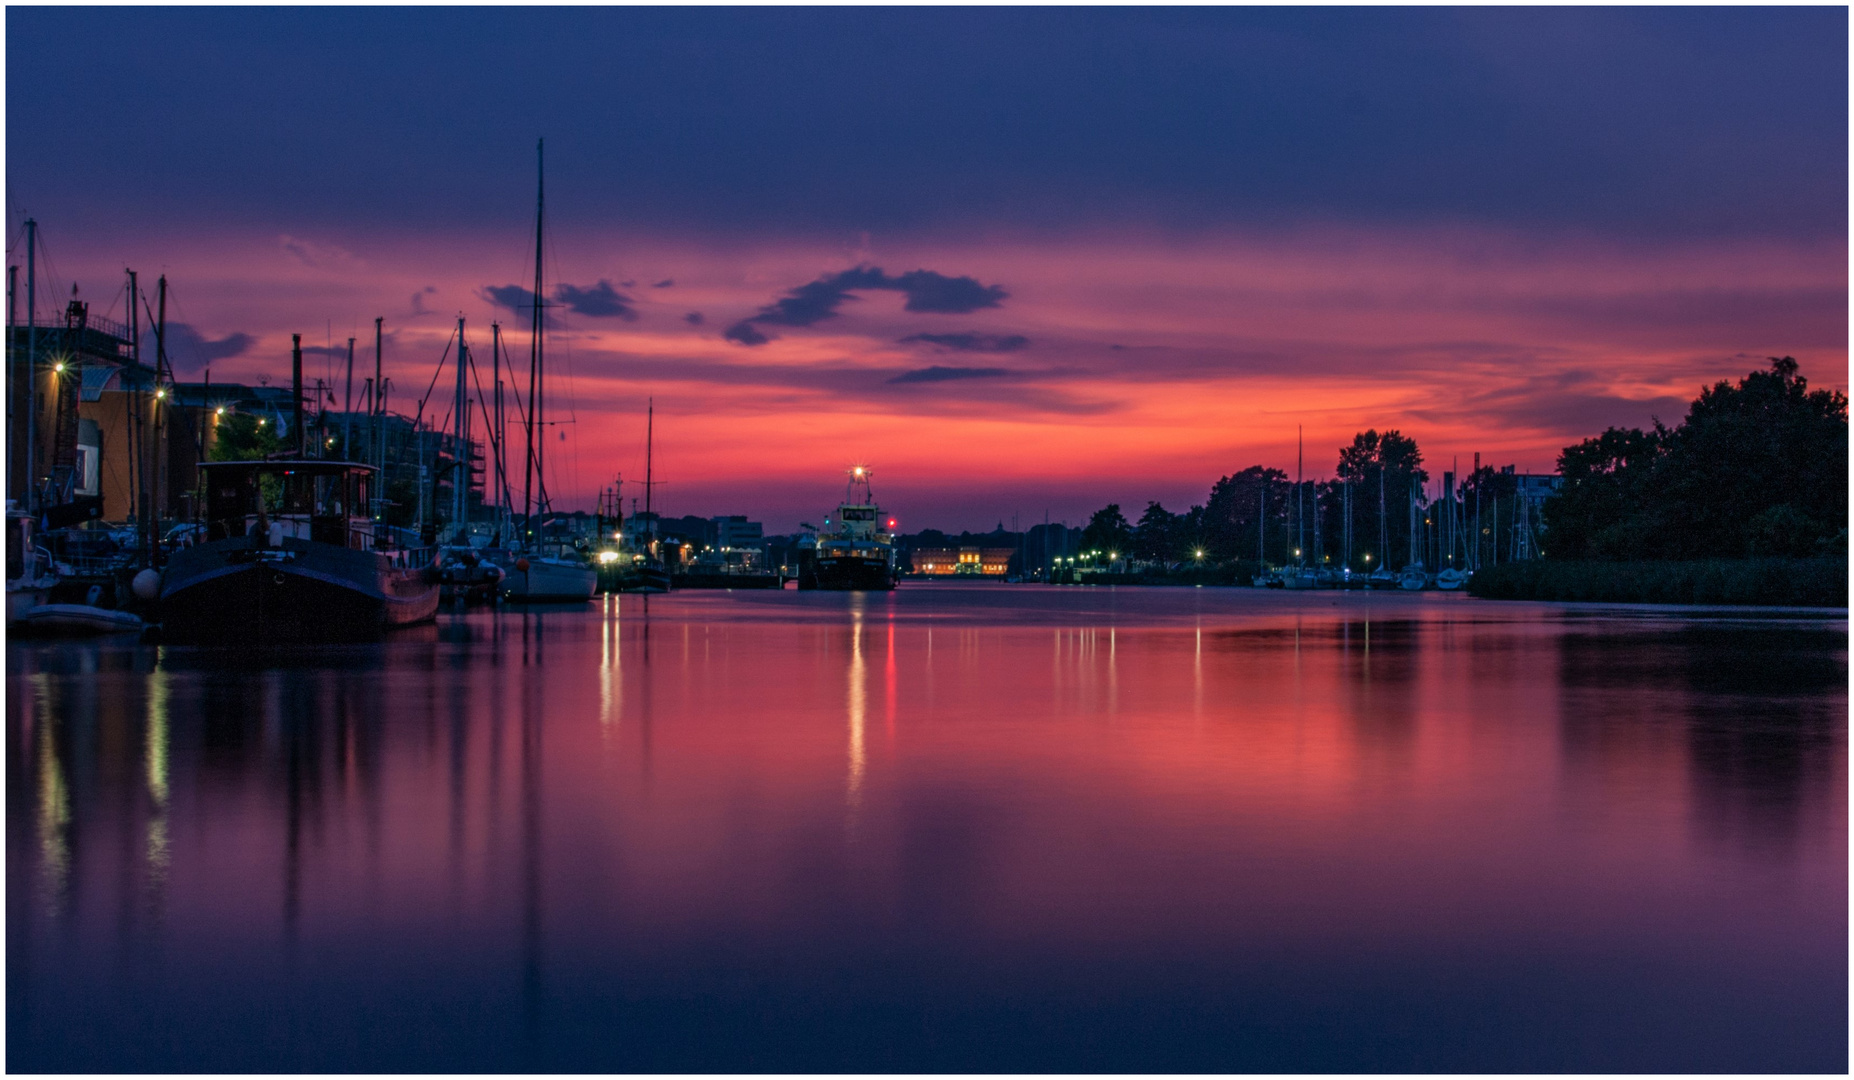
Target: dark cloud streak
816, 301
599, 301
188, 350
979, 343
936, 374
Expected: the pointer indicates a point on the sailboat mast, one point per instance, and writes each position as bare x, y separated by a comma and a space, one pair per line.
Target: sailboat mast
650, 435
460, 439
1300, 479
534, 342
378, 410
499, 428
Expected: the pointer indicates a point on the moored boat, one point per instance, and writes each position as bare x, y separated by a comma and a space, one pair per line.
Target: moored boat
29, 578
857, 553
1451, 579
76, 620
557, 578
289, 556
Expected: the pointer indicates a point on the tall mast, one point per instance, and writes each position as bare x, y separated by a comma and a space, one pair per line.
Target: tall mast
296, 390
498, 428
12, 366
460, 439
1261, 515
32, 362
157, 496
347, 410
138, 454
1383, 521
378, 410
650, 432
528, 506
1300, 479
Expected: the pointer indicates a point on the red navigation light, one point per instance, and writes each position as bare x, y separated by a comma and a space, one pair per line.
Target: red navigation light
891, 523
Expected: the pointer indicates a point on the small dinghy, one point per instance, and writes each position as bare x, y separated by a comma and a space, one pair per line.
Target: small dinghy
75, 620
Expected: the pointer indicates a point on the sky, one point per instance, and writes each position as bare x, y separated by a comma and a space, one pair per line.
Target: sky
1021, 262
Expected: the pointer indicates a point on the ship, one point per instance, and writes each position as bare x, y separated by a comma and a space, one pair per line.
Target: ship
855, 551
289, 556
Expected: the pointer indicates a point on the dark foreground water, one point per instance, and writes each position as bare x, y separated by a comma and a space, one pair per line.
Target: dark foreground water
1004, 828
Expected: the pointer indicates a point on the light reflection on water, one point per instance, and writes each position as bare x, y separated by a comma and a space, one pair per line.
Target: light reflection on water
943, 829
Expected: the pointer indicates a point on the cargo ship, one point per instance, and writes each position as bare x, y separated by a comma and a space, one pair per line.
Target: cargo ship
855, 550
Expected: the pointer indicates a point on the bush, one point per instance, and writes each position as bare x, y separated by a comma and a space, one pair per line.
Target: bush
1812, 582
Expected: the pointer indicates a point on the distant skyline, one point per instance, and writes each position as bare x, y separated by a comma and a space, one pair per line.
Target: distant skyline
1020, 260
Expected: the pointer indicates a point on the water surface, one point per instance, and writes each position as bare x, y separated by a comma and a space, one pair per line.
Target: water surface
950, 828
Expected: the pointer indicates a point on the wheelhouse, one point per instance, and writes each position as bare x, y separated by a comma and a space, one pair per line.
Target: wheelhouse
328, 502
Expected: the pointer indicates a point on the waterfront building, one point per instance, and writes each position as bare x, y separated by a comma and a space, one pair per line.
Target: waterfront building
965, 560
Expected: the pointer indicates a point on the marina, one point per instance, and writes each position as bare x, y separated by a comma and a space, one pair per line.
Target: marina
926, 540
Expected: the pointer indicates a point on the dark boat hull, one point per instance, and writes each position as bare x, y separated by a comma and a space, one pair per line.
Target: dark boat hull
233, 591
846, 573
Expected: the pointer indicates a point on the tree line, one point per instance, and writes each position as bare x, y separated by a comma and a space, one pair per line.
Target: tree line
1365, 516
1757, 468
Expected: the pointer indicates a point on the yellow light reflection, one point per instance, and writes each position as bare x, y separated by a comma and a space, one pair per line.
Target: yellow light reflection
611, 673
857, 700
157, 777
54, 815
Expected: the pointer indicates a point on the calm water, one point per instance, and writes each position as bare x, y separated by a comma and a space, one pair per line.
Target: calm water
1004, 828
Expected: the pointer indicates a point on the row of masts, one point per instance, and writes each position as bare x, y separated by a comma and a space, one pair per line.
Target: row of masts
491, 407
1442, 532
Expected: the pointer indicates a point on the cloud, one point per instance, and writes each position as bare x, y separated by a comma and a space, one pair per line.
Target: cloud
418, 301
813, 302
310, 253
694, 318
664, 284
937, 373
514, 298
928, 291
599, 301
188, 350
982, 343
844, 385
745, 334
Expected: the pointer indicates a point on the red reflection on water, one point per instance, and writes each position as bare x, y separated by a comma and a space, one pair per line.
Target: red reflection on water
1262, 777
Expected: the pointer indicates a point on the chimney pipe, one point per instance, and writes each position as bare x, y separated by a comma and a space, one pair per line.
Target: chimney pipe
296, 387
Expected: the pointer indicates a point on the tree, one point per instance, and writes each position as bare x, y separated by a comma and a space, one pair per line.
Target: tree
242, 437
1599, 512
1384, 470
1156, 536
1108, 531
1487, 499
1229, 520
1756, 468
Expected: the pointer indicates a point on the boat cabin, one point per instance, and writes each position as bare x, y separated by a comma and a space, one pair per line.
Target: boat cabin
327, 502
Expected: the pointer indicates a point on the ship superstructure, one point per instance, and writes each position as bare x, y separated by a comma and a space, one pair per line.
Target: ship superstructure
855, 550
